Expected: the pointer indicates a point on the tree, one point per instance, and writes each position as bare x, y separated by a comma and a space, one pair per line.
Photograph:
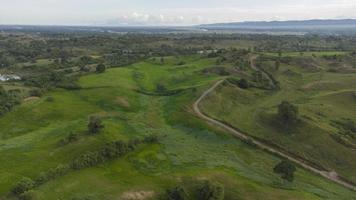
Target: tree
286, 169
100, 68
211, 191
177, 193
287, 112
95, 125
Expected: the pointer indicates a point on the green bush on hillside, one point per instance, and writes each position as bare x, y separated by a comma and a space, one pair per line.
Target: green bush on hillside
286, 169
177, 193
28, 195
72, 137
101, 68
287, 113
211, 191
95, 125
8, 99
23, 185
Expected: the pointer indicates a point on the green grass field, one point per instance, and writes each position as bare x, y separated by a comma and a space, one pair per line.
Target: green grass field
189, 150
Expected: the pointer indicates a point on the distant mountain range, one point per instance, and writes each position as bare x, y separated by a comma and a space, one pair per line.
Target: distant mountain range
284, 24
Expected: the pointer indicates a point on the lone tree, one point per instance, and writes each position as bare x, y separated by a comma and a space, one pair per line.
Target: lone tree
286, 169
95, 125
211, 191
100, 68
287, 112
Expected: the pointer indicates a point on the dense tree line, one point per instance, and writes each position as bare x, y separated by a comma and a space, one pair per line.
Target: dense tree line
110, 151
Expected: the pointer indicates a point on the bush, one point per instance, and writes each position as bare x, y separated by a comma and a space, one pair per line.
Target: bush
177, 193
287, 112
72, 137
243, 83
151, 139
286, 169
160, 88
110, 151
50, 99
51, 174
87, 160
28, 195
23, 185
211, 191
35, 93
95, 125
8, 100
101, 68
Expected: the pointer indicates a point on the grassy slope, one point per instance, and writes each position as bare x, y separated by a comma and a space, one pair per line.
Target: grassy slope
189, 150
321, 97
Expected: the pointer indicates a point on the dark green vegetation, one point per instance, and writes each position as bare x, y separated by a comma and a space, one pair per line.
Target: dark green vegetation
129, 132
286, 169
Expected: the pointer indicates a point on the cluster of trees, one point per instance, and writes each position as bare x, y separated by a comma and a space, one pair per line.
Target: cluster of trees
109, 152
8, 99
207, 191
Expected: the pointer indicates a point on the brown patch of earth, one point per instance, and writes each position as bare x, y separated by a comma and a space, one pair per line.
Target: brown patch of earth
137, 195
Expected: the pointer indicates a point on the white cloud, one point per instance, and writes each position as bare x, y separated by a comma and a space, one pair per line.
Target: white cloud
167, 12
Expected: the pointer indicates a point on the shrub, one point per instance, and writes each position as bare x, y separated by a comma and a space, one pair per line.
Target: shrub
53, 173
101, 68
287, 112
151, 139
181, 63
177, 193
243, 83
161, 88
110, 151
8, 100
72, 137
50, 99
286, 169
87, 160
28, 195
23, 185
95, 125
211, 191
35, 93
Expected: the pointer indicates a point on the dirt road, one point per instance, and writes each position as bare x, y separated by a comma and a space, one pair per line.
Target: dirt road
331, 175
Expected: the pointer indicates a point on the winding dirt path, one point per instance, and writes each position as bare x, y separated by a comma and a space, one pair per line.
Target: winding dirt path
330, 175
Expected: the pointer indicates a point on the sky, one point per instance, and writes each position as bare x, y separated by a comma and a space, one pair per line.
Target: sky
168, 12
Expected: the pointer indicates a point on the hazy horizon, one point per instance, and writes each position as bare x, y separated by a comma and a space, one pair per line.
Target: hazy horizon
165, 13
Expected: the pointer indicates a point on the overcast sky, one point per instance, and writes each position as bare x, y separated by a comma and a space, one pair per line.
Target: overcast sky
168, 12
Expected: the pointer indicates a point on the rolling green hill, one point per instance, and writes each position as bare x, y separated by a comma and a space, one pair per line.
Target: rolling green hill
155, 98
326, 103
